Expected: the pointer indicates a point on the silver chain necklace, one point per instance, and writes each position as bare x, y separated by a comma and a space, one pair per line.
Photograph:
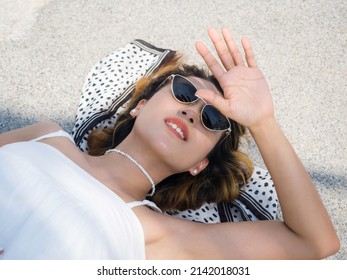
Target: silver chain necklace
138, 165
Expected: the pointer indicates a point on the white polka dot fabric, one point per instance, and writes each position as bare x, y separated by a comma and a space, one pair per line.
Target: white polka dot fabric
256, 201
109, 86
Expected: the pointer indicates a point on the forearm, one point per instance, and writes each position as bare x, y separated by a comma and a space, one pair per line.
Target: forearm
303, 210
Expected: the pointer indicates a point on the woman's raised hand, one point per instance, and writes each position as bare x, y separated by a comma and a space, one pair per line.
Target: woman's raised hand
247, 98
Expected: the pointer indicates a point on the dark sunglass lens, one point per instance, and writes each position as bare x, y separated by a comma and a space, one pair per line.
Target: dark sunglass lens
183, 90
213, 119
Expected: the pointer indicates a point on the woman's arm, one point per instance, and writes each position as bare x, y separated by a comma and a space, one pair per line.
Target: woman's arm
302, 208
28, 133
307, 231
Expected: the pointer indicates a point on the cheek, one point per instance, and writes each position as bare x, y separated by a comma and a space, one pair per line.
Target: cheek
201, 146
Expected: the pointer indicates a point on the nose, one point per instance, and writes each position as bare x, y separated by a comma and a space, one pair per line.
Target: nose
189, 115
192, 113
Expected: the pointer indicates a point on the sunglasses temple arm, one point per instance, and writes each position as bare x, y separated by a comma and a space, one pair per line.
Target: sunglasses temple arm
163, 82
227, 133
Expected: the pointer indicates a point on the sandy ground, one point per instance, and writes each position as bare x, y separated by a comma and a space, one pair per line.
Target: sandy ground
47, 47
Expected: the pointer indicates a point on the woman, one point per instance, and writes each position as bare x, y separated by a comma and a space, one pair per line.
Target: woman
98, 203
225, 168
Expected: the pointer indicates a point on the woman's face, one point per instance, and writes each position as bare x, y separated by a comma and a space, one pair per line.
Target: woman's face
174, 130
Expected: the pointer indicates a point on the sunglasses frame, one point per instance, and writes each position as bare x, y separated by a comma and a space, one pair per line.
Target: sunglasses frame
172, 77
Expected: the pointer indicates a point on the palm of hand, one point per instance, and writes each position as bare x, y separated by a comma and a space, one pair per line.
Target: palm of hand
246, 95
247, 98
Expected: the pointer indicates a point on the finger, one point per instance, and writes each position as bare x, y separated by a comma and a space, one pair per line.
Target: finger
216, 69
222, 51
247, 47
215, 100
233, 49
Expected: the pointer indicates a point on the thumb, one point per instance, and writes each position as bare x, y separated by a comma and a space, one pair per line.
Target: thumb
215, 100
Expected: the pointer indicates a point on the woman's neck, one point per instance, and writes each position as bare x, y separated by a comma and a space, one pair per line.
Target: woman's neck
137, 165
125, 172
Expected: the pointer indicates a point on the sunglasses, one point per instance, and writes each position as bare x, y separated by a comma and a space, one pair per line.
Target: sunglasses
184, 91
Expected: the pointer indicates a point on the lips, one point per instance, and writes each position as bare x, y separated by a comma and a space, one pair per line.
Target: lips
178, 127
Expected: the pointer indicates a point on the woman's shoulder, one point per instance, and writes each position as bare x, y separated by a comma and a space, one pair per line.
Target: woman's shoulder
41, 128
28, 133
47, 126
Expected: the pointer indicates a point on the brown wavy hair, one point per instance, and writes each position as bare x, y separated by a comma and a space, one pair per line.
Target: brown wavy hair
228, 170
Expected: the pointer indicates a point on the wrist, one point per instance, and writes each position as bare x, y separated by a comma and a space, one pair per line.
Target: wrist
266, 126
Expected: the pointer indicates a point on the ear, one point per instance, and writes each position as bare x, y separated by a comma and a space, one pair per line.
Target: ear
134, 112
196, 169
